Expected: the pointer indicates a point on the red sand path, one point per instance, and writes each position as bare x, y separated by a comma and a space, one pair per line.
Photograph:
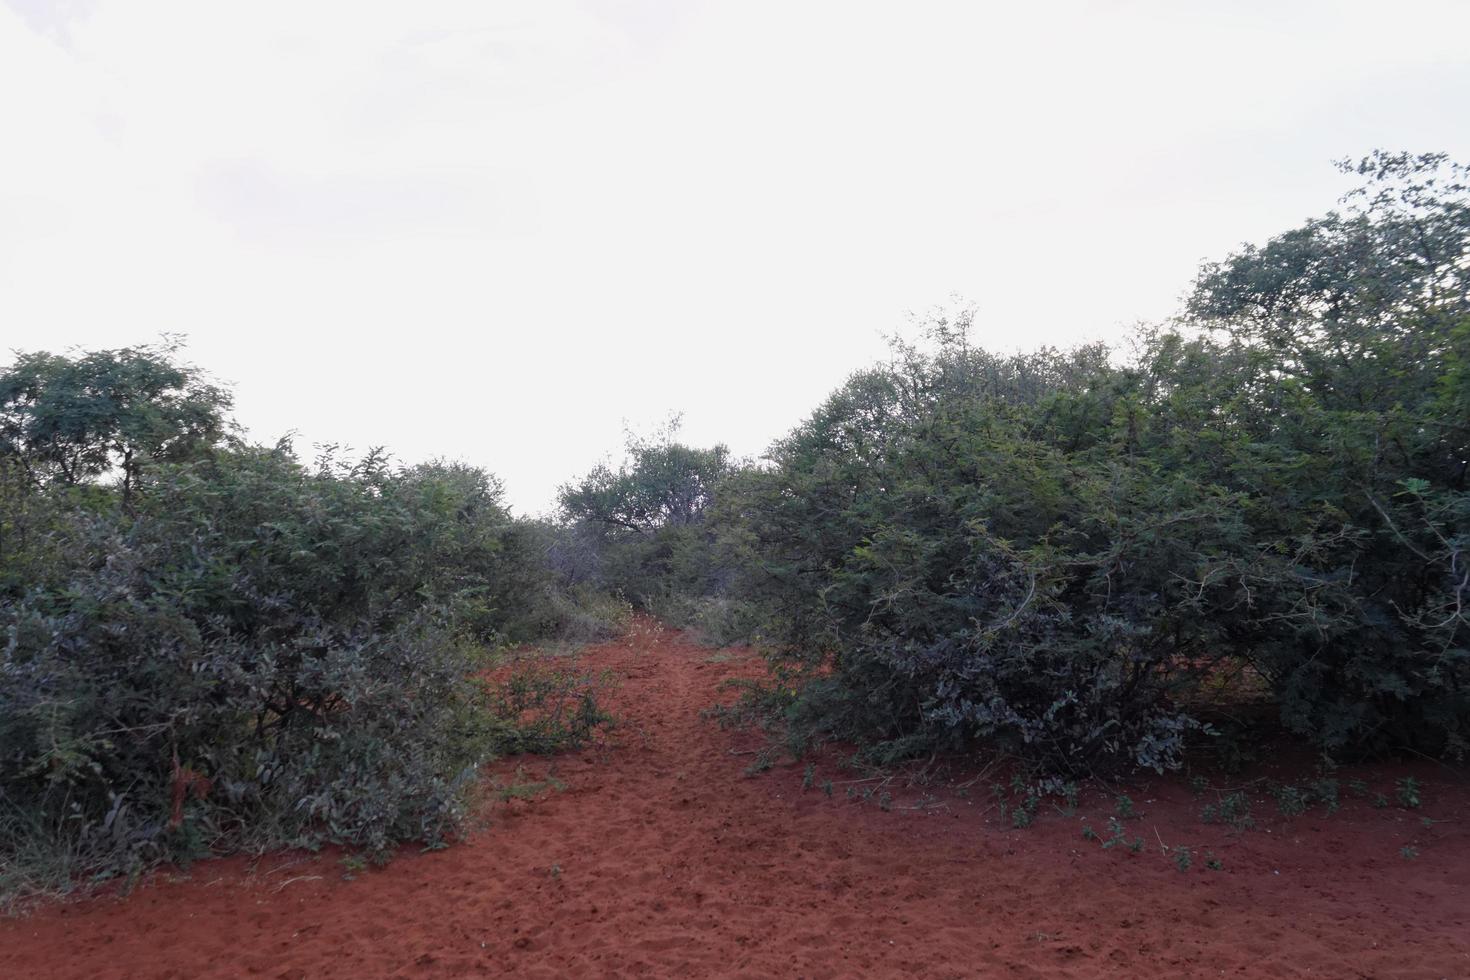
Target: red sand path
671, 863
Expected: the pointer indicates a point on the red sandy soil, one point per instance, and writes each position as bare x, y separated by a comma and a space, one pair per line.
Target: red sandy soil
660, 858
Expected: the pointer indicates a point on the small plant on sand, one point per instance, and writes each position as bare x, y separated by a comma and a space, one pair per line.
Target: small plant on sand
1023, 814
1408, 852
997, 791
1233, 810
353, 865
1183, 859
1290, 800
1088, 833
1212, 862
827, 787
522, 788
1067, 790
1124, 807
808, 777
1407, 791
1021, 804
1118, 835
548, 708
1324, 791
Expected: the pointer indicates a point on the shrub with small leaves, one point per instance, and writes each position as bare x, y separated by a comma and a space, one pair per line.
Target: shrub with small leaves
257, 652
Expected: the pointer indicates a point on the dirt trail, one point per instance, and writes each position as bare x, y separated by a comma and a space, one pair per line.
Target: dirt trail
659, 858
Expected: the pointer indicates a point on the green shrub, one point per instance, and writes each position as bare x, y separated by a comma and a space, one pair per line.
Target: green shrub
1056, 552
258, 653
1233, 810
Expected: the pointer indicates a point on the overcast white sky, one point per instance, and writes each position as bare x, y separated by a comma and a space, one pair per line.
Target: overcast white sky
495, 230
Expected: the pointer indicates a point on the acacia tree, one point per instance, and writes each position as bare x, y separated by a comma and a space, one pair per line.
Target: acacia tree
644, 522
662, 483
67, 420
1351, 335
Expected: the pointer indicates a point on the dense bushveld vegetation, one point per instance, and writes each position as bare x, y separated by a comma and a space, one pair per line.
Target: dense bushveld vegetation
1072, 553
227, 648
1073, 556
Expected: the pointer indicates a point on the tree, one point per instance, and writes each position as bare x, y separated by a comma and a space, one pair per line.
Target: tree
1344, 344
663, 483
643, 525
72, 419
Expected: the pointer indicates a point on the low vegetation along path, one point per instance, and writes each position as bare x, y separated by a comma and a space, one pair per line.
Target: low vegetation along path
660, 857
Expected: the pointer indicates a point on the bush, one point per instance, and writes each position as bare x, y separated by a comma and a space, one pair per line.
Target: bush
972, 578
1053, 551
260, 654
551, 588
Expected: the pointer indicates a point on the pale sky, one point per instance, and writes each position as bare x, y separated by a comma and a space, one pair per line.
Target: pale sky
493, 231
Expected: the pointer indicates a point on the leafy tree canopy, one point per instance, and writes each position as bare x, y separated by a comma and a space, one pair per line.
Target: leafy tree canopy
662, 483
70, 419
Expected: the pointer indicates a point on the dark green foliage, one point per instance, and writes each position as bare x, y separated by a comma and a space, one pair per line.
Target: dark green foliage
640, 532
1064, 553
965, 570
1341, 369
1325, 792
663, 484
261, 653
1407, 791
543, 708
1118, 837
1233, 810
546, 589
1292, 801
66, 420
1023, 814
